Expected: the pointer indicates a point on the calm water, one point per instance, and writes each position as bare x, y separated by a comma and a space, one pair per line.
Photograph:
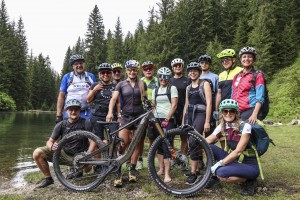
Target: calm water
20, 134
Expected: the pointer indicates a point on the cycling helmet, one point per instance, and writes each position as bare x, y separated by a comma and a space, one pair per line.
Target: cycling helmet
177, 61
228, 103
116, 66
72, 103
205, 58
147, 63
132, 63
193, 65
104, 66
250, 50
76, 57
164, 73
226, 53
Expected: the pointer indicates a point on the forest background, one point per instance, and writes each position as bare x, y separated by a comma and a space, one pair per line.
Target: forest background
184, 28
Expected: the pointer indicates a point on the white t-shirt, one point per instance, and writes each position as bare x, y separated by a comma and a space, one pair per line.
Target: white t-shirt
163, 105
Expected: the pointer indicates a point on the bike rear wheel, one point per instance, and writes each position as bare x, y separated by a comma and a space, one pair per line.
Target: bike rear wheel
75, 174
178, 185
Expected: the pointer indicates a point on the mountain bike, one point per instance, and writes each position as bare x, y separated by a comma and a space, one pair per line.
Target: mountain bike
105, 161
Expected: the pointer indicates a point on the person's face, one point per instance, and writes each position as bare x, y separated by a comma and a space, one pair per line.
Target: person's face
177, 68
204, 65
73, 112
105, 75
228, 114
163, 80
132, 72
247, 60
117, 73
148, 72
78, 67
194, 74
227, 62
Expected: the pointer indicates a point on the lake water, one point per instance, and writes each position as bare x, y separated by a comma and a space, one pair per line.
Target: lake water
20, 134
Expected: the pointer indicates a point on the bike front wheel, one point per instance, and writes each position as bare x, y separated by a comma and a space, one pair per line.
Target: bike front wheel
72, 169
179, 185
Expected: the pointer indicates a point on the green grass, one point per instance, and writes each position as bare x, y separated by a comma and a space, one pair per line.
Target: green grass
280, 166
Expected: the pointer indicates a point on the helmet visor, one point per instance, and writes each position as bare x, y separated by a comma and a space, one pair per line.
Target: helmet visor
162, 76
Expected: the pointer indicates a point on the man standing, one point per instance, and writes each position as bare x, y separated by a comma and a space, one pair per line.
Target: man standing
117, 70
181, 82
75, 85
43, 154
151, 81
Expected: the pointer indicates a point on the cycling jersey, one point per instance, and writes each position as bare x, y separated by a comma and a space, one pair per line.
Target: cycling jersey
151, 85
243, 90
225, 81
131, 97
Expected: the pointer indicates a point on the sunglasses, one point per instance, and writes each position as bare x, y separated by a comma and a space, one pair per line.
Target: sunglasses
117, 71
105, 72
177, 65
225, 59
230, 111
204, 62
146, 69
132, 70
166, 77
75, 109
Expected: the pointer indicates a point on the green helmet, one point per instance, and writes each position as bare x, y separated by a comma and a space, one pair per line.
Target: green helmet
226, 53
116, 66
228, 103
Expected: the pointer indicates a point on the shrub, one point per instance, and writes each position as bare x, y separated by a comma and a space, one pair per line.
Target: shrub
7, 103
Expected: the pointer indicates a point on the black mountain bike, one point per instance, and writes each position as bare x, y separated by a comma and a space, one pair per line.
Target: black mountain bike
90, 170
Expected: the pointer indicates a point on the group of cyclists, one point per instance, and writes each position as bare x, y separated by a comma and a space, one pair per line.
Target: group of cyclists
201, 99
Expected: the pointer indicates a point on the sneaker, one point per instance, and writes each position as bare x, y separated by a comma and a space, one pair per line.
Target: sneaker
46, 182
73, 173
190, 173
139, 165
213, 184
118, 180
132, 176
248, 188
185, 163
191, 179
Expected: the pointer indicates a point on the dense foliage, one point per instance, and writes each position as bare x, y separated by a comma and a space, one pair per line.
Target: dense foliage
182, 28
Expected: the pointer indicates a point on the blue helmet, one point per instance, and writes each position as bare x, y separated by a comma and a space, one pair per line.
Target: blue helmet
76, 57
132, 63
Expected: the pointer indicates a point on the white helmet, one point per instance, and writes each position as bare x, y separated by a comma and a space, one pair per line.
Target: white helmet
250, 50
164, 73
177, 61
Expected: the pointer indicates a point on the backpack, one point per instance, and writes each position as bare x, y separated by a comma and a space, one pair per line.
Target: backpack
259, 140
168, 93
264, 110
71, 77
201, 89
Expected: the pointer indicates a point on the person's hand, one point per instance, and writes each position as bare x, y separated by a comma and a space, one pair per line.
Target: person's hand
98, 87
216, 166
109, 117
252, 119
164, 123
215, 115
58, 119
54, 146
206, 127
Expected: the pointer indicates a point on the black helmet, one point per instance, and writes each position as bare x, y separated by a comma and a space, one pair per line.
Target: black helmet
205, 58
193, 65
147, 63
76, 57
105, 66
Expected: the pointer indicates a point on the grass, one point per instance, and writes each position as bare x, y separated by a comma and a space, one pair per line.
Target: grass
280, 166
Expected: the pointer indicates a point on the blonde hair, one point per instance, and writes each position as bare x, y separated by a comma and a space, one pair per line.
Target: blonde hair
236, 121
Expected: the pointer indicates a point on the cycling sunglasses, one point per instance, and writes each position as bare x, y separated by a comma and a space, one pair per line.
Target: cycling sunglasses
105, 72
225, 59
146, 69
230, 111
204, 62
135, 70
75, 109
161, 76
117, 71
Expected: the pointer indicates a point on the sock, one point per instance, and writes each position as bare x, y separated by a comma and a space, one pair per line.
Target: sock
140, 158
132, 166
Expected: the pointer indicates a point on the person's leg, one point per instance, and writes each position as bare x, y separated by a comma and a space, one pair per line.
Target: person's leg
167, 165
